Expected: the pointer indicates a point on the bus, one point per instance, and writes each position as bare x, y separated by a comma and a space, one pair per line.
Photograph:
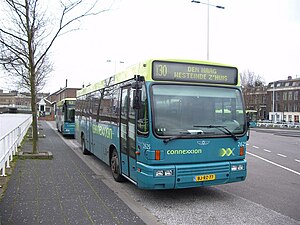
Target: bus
167, 124
252, 117
65, 116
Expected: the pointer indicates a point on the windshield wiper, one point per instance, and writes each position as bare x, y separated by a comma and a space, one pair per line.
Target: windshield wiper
185, 135
173, 138
220, 128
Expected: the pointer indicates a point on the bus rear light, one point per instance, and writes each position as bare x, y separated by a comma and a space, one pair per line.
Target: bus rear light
242, 150
157, 154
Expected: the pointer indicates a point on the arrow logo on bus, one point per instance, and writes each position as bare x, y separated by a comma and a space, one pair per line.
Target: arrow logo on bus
226, 152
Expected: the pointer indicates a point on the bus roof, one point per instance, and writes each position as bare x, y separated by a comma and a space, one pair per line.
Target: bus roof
61, 102
145, 69
251, 110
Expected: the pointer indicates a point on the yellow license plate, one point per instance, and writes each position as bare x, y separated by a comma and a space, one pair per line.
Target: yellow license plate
205, 177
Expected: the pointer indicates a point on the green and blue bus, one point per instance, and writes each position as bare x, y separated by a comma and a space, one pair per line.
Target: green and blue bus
252, 117
65, 116
167, 124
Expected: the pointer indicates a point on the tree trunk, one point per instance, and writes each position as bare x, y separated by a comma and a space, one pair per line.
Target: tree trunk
32, 75
34, 118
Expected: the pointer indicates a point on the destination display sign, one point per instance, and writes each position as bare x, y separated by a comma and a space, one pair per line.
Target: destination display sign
191, 72
70, 102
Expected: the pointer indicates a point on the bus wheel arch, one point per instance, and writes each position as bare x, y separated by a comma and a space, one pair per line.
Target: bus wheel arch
114, 163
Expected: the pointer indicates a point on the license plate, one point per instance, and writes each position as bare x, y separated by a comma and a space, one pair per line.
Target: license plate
205, 177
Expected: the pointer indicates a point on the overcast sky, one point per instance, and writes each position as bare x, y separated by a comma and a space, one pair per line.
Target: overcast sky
260, 36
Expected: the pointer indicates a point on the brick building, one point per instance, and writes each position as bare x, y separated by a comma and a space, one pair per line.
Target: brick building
283, 103
256, 99
279, 101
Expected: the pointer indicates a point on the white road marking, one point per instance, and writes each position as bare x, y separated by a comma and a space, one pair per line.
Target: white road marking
297, 160
275, 164
284, 156
266, 150
255, 146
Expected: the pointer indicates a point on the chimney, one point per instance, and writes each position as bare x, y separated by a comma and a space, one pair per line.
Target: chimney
289, 77
66, 82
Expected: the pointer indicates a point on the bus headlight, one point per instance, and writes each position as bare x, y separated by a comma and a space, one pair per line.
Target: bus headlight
159, 173
237, 167
168, 172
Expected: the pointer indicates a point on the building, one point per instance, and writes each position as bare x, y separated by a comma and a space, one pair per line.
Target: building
66, 93
58, 96
20, 101
256, 99
283, 101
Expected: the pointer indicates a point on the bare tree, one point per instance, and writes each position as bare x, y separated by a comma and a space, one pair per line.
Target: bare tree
250, 79
26, 37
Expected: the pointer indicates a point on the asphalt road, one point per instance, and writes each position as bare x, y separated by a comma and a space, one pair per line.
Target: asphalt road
273, 179
270, 194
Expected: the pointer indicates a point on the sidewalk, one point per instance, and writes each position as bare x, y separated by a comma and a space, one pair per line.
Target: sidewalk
60, 191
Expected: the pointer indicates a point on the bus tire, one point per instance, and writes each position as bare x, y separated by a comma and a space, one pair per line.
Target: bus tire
83, 148
115, 166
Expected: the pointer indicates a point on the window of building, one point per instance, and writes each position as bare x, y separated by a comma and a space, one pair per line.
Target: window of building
295, 84
296, 95
290, 95
277, 95
285, 96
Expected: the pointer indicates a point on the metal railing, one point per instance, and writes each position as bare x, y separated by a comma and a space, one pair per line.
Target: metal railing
9, 143
278, 125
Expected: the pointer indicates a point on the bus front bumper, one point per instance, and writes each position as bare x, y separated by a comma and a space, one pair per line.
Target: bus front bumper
190, 175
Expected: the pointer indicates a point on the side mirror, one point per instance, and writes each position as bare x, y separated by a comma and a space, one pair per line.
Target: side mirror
137, 95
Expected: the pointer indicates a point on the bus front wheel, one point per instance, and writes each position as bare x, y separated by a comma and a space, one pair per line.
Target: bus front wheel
84, 150
115, 166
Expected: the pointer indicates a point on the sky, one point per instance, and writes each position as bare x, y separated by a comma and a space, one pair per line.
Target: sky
257, 36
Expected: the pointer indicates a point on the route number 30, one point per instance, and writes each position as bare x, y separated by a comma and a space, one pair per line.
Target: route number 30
162, 70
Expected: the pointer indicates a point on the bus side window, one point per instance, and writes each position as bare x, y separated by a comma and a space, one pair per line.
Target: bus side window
142, 116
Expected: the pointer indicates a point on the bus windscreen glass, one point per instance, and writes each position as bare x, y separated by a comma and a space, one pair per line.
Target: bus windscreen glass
186, 110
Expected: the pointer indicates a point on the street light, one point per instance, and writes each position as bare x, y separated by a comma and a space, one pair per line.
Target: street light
208, 5
115, 64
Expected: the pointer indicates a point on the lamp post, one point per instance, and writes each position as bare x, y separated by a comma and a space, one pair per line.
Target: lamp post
274, 115
208, 5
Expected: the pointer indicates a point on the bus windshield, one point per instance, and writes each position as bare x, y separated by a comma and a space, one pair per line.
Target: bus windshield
186, 110
70, 114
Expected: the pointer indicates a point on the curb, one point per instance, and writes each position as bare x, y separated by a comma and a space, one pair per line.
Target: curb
40, 155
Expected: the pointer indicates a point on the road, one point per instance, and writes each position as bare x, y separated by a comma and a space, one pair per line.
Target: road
270, 194
273, 179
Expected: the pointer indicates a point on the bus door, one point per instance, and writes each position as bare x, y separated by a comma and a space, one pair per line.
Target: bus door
128, 134
88, 125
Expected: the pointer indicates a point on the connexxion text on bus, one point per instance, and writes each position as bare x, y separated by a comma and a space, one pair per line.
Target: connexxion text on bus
166, 124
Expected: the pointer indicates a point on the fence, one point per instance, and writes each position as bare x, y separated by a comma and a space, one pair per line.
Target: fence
9, 143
